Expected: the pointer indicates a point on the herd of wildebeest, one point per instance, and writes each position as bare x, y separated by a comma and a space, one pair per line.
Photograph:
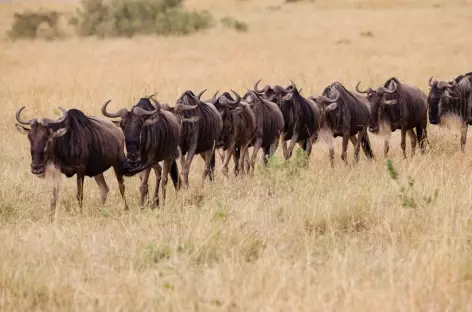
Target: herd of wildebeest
155, 133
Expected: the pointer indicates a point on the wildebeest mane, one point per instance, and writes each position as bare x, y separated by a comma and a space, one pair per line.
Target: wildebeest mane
84, 140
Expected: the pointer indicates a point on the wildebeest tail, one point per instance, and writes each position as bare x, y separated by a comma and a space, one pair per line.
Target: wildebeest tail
366, 146
174, 174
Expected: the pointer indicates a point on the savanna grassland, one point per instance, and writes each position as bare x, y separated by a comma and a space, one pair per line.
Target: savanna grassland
290, 238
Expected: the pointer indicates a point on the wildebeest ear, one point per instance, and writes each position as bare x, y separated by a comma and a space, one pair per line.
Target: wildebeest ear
192, 119
331, 106
59, 132
21, 129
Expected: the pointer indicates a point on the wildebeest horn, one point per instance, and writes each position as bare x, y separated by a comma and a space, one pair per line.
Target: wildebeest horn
156, 105
362, 91
121, 113
23, 122
430, 82
142, 112
200, 94
323, 98
213, 98
182, 108
256, 87
59, 121
151, 96
293, 85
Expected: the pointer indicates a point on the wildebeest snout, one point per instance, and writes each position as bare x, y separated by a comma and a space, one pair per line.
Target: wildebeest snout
37, 169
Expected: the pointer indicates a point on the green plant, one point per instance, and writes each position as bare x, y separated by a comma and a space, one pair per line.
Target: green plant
230, 22
408, 195
31, 25
128, 18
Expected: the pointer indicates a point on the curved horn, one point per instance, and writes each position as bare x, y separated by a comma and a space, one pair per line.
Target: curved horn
323, 98
200, 94
142, 112
293, 86
120, 113
430, 82
182, 108
18, 118
151, 96
359, 90
156, 105
59, 121
256, 87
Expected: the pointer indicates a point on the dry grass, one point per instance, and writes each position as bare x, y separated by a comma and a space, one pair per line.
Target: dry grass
283, 240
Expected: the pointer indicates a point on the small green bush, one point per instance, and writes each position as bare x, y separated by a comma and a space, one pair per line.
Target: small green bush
230, 22
31, 25
128, 18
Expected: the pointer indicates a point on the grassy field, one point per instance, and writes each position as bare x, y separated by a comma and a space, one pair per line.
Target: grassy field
286, 239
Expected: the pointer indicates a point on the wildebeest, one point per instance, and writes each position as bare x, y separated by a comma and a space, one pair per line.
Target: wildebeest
151, 135
239, 126
200, 134
401, 106
75, 144
345, 114
452, 98
300, 117
269, 125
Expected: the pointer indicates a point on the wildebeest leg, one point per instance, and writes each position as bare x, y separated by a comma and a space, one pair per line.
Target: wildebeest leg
463, 135
221, 152
102, 185
207, 158
80, 189
293, 141
241, 160
403, 141
143, 188
188, 162
413, 139
165, 173
344, 148
182, 166
157, 171
274, 146
257, 147
356, 142
121, 184
55, 195
236, 158
266, 154
386, 147
211, 167
229, 153
284, 147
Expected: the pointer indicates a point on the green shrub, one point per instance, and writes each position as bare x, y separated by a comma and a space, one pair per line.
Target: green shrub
31, 25
127, 18
230, 22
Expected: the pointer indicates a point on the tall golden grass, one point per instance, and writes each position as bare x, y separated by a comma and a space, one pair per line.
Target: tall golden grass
286, 239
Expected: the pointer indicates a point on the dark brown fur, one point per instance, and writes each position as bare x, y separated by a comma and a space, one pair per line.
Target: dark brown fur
77, 144
345, 114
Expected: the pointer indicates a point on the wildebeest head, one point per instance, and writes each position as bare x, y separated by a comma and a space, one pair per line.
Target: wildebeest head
438, 99
228, 109
132, 123
329, 108
267, 92
41, 133
384, 103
